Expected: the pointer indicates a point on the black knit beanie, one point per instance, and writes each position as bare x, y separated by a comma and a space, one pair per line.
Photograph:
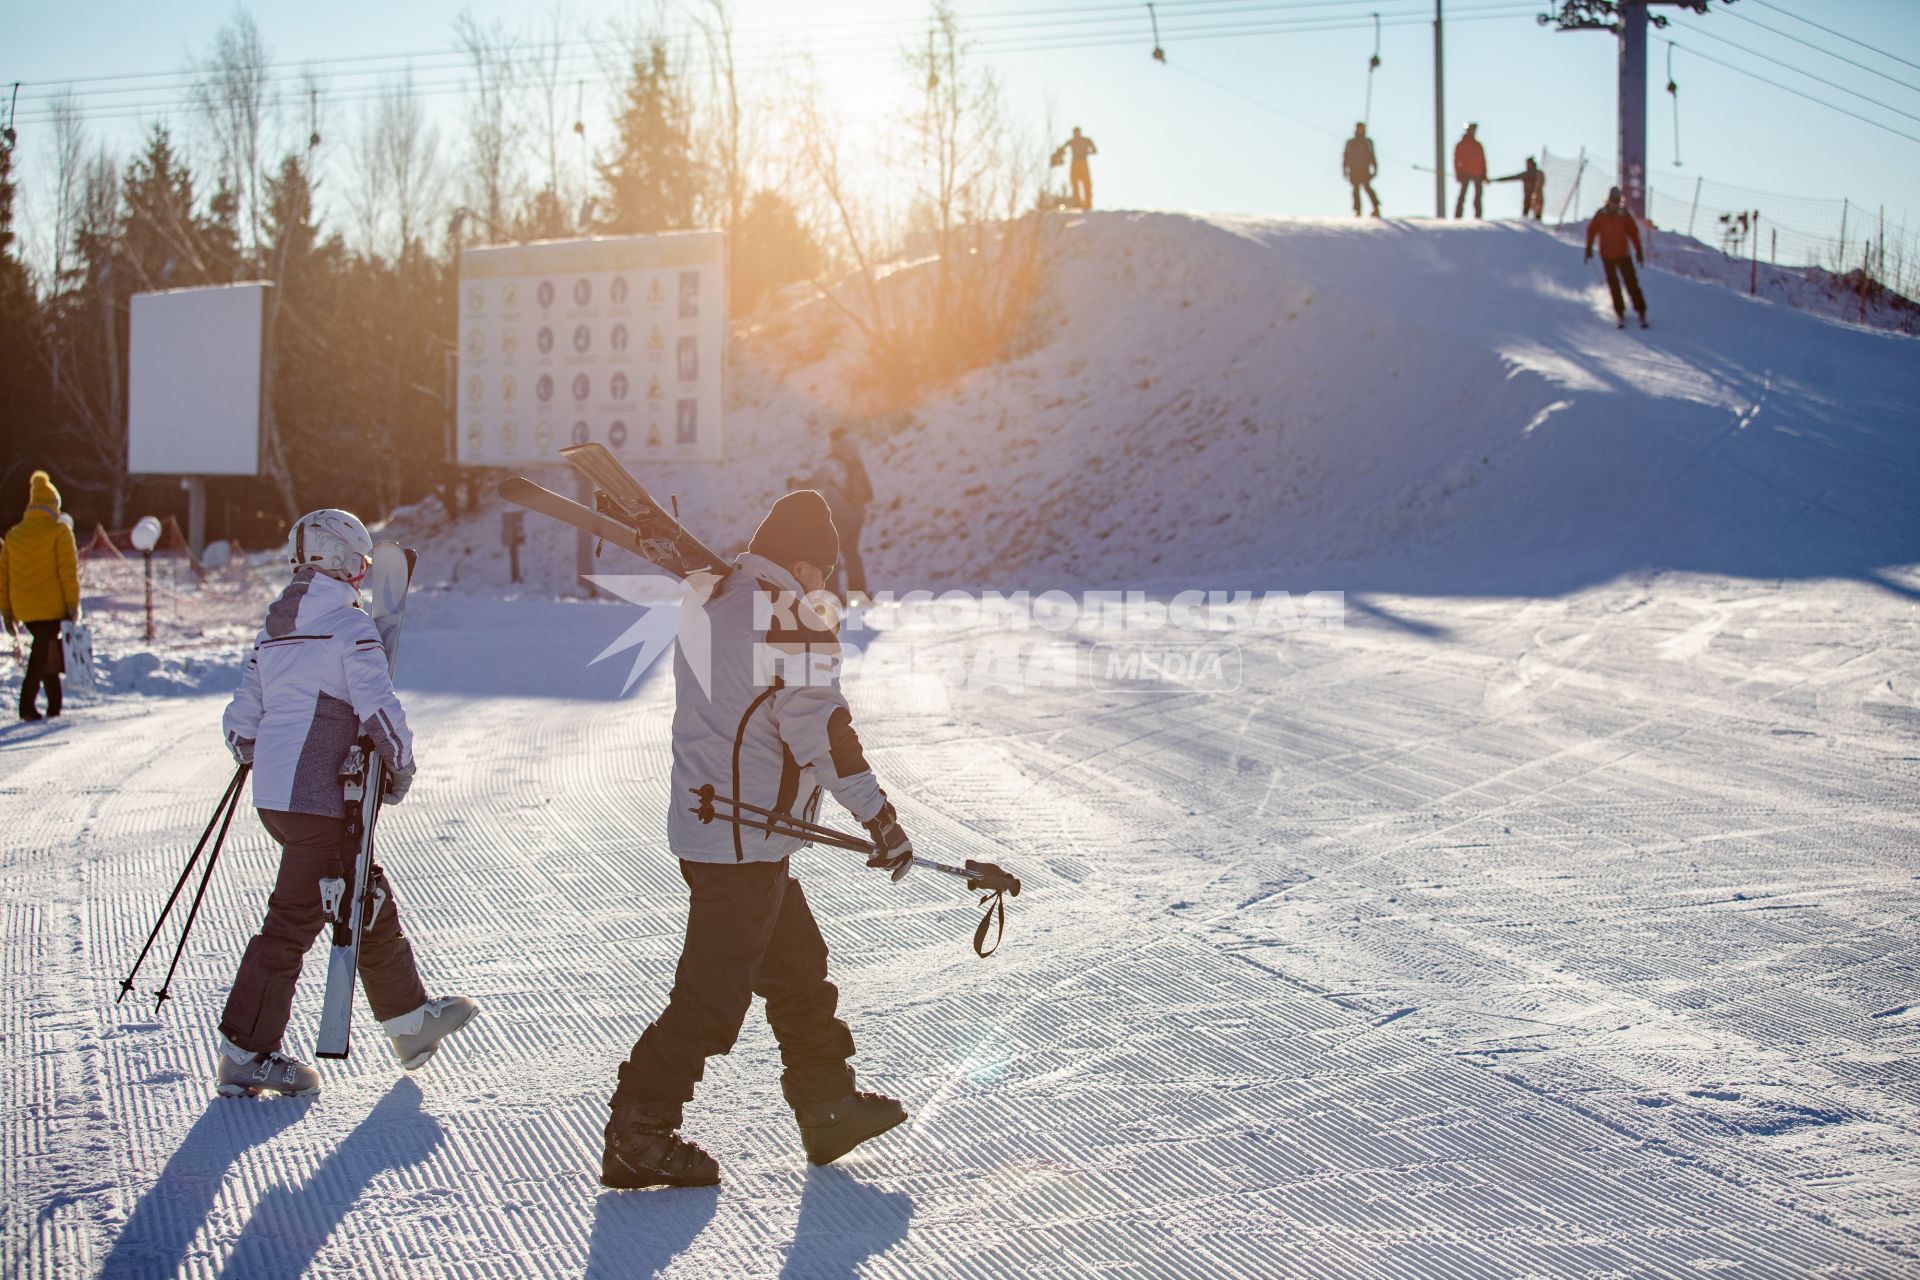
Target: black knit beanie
798, 528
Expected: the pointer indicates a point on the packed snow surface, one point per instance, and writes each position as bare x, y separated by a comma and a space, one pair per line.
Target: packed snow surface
1554, 917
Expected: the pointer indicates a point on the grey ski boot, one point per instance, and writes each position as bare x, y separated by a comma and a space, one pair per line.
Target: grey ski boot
417, 1035
245, 1074
828, 1130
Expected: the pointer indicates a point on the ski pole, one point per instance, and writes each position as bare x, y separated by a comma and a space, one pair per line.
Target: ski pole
227, 800
984, 877
213, 858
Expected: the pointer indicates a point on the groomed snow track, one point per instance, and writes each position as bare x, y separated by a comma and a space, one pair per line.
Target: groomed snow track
1554, 918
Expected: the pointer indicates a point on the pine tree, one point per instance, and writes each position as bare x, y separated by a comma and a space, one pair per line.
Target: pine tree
652, 179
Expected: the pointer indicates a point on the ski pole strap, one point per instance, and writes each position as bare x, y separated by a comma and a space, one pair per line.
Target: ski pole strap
986, 878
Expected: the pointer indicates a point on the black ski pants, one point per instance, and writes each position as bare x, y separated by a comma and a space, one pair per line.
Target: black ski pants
850, 562
1479, 186
311, 849
1621, 270
1367, 187
749, 932
44, 664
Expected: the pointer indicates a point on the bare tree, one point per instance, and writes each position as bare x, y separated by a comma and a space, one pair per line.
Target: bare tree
495, 132
399, 181
726, 143
231, 93
547, 84
409, 164
67, 182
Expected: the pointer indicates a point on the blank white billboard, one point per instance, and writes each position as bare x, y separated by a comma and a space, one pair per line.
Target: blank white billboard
195, 381
614, 339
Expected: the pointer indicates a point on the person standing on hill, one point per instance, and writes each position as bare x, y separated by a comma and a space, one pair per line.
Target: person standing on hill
1533, 190
1470, 166
316, 683
40, 588
1079, 174
1359, 167
769, 726
1619, 236
845, 486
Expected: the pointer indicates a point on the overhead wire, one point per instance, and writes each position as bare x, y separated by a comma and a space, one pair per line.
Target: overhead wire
1768, 4
437, 84
1798, 93
1780, 62
1821, 49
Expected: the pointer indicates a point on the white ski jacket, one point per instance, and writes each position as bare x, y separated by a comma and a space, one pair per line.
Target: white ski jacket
316, 681
770, 727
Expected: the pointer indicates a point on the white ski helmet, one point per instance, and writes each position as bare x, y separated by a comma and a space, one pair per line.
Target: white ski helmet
332, 541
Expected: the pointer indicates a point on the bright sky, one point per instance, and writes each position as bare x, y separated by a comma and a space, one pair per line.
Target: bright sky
1242, 118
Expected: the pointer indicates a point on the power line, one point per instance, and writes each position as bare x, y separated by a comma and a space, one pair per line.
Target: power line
1831, 84
1831, 106
1767, 4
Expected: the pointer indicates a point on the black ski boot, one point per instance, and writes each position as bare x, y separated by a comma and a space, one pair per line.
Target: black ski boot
828, 1130
644, 1151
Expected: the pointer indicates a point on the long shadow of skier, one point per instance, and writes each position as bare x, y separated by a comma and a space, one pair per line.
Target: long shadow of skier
843, 1222
154, 1242
639, 1233
290, 1225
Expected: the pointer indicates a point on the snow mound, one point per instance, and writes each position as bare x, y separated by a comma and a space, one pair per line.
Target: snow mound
1376, 405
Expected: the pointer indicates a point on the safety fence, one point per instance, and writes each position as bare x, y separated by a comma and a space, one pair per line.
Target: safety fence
1785, 230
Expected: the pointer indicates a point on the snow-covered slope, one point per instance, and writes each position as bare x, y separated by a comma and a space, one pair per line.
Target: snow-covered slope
1556, 917
1405, 406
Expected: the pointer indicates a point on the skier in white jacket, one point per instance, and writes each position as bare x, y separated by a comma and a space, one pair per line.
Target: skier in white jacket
316, 683
764, 722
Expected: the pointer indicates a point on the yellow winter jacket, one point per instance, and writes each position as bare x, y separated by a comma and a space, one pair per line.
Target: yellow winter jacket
39, 577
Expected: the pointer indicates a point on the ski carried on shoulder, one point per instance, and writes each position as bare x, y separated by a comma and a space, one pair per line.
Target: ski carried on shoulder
623, 513
350, 901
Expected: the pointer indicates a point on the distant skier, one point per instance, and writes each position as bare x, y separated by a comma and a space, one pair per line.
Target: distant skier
1079, 174
1533, 190
40, 588
1470, 166
770, 732
845, 486
1359, 167
1618, 233
317, 681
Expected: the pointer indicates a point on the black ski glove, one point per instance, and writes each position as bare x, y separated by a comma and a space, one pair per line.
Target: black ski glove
891, 847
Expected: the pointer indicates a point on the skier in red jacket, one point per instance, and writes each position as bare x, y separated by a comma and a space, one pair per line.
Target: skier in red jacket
1618, 234
1470, 166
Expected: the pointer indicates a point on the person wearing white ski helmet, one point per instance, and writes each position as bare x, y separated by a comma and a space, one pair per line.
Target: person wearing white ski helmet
316, 683
332, 541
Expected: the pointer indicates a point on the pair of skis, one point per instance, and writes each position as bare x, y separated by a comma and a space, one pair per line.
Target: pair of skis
623, 513
352, 901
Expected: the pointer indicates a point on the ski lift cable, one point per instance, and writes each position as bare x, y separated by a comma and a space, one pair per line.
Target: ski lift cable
1062, 42
1767, 4
1800, 93
1820, 49
1782, 62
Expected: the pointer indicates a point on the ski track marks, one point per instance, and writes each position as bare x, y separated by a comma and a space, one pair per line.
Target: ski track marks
1520, 944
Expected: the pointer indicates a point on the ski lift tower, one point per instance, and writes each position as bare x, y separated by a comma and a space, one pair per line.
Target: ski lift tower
1627, 19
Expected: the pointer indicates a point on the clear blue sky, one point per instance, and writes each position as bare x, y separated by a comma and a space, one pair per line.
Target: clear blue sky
1174, 136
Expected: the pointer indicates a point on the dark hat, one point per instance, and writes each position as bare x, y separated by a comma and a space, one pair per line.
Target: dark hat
798, 528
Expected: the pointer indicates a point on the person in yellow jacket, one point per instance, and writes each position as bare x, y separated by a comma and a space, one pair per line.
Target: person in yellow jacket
40, 586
